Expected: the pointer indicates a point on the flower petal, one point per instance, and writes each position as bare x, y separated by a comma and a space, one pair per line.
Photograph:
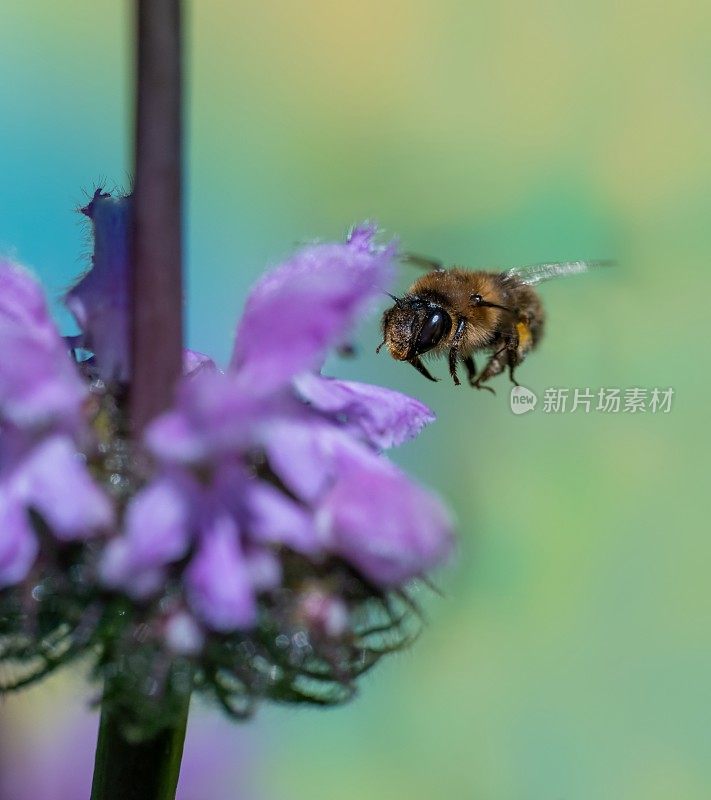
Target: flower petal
275, 519
39, 383
212, 415
296, 311
18, 543
194, 362
55, 481
300, 451
156, 533
99, 302
218, 582
183, 635
384, 417
385, 525
322, 613
264, 568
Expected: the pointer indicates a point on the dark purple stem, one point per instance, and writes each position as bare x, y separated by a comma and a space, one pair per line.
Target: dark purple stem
125, 769
157, 292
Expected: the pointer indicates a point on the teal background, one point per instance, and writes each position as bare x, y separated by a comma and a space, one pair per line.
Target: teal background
569, 658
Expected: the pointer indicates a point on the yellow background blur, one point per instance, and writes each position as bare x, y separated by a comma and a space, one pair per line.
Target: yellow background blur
570, 657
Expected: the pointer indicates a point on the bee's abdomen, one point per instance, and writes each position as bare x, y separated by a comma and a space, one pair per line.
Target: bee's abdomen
530, 318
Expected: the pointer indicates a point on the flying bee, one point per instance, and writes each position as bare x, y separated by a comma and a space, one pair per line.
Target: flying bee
461, 312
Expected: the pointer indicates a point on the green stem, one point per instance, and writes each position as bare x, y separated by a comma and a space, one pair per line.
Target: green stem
143, 770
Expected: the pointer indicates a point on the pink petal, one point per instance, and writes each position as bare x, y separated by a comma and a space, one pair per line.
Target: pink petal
39, 383
18, 543
388, 527
55, 481
218, 581
156, 533
383, 417
300, 309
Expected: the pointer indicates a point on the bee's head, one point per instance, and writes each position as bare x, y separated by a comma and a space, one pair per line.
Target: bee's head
413, 326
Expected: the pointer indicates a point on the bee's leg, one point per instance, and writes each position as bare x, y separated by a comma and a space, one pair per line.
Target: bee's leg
513, 358
422, 369
470, 367
479, 385
513, 363
453, 366
454, 349
494, 366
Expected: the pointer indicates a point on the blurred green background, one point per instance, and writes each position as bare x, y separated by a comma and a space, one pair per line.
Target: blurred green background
570, 656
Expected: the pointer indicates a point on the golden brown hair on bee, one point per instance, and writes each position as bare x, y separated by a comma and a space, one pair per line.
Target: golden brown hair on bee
460, 312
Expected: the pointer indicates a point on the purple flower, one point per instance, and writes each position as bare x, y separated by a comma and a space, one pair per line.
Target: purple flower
54, 481
194, 362
318, 437
375, 518
42, 397
383, 417
219, 582
18, 544
300, 309
99, 301
156, 526
259, 508
39, 385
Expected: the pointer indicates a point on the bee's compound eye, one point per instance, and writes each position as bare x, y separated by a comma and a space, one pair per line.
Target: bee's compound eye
477, 299
433, 329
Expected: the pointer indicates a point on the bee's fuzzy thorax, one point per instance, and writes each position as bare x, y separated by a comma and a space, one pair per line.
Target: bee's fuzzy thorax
454, 290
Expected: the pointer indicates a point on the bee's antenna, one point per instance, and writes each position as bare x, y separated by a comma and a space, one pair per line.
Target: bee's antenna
397, 300
423, 262
380, 346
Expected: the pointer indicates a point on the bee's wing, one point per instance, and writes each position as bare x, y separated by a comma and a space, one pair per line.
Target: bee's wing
537, 273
